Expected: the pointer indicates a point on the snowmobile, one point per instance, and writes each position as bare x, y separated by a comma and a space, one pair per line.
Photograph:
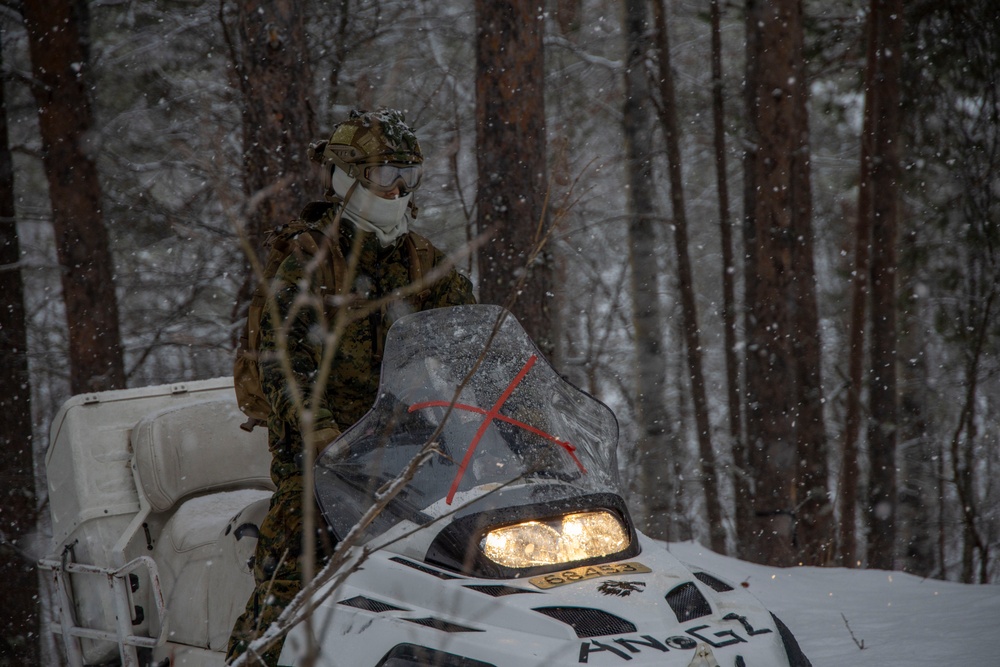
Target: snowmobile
502, 536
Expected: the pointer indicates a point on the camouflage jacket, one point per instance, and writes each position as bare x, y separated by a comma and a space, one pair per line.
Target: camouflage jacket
378, 272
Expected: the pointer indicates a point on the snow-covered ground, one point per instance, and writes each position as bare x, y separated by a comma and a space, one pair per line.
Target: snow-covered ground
899, 619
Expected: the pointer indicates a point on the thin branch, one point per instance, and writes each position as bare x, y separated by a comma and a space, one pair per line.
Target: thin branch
859, 644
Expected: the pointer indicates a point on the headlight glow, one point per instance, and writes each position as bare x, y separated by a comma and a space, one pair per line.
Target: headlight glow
564, 539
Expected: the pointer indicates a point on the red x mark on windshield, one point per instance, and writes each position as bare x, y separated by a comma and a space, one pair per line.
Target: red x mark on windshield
490, 415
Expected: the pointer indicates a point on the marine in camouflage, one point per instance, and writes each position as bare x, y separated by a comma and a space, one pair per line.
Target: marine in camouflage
377, 277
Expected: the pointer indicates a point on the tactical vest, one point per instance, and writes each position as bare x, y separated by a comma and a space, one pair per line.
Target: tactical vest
305, 237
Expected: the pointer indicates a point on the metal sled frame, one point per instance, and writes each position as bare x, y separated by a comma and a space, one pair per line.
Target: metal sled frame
121, 592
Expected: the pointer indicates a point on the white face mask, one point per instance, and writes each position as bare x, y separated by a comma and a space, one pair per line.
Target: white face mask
386, 218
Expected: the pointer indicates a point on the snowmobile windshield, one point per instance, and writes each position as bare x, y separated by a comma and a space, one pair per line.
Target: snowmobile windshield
497, 425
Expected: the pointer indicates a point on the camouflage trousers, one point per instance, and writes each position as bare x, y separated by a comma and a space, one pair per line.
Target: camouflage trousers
277, 570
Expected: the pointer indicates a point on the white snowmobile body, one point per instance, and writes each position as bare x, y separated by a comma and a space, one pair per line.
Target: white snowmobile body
510, 546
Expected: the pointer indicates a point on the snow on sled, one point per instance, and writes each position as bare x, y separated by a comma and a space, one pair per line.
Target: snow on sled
511, 545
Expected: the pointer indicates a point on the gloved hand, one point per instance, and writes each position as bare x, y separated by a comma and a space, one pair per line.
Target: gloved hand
320, 438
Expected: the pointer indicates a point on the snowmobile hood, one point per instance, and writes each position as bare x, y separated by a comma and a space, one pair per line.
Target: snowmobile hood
648, 610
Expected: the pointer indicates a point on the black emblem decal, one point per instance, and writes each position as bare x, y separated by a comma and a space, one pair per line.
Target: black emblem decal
621, 588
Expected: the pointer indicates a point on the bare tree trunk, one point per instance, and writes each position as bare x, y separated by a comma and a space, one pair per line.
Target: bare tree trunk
963, 463
741, 485
941, 545
656, 484
515, 265
57, 34
849, 472
341, 50
882, 424
849, 469
770, 364
568, 14
19, 619
918, 483
267, 43
685, 280
747, 544
785, 423
859, 298
813, 512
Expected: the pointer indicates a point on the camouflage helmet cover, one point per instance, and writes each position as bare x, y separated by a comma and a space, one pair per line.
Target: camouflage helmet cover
369, 137
366, 138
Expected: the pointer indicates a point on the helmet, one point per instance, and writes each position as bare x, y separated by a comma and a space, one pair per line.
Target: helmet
376, 148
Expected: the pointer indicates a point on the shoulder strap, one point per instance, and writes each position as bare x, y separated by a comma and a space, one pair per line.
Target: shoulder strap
421, 258
310, 239
336, 280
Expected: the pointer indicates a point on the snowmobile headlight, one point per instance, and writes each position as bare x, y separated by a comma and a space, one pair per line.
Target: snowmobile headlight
565, 539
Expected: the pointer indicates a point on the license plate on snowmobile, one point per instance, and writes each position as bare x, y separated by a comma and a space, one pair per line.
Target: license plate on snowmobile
588, 572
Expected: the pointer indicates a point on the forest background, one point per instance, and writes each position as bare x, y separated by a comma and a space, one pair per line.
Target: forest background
764, 232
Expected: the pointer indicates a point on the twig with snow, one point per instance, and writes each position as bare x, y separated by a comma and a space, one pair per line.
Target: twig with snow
859, 644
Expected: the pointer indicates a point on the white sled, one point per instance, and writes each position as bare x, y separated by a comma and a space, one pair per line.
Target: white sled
154, 494
511, 546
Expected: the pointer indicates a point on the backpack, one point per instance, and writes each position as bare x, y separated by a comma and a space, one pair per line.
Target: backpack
303, 236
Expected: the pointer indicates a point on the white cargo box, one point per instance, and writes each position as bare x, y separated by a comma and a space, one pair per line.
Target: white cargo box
119, 464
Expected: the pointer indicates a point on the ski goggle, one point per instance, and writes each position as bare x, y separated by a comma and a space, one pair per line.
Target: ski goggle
386, 176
